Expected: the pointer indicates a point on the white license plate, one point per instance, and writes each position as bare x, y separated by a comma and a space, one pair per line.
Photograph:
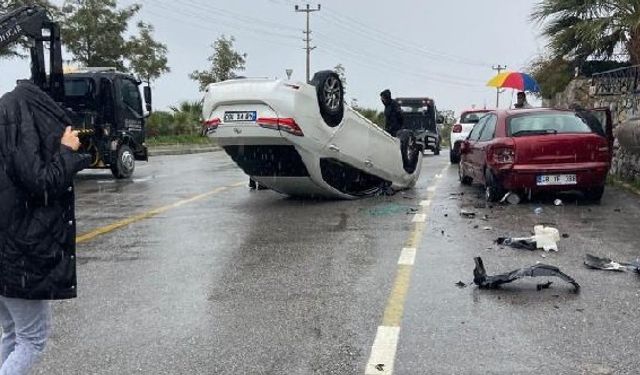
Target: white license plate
556, 179
240, 116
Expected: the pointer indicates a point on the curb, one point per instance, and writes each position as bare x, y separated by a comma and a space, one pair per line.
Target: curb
181, 150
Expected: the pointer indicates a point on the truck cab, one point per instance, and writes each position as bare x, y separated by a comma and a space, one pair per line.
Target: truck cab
106, 107
420, 116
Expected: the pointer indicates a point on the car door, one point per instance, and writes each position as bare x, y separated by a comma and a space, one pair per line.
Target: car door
604, 116
471, 158
482, 145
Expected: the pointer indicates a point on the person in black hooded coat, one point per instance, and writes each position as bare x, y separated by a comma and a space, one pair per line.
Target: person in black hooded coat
38, 161
392, 113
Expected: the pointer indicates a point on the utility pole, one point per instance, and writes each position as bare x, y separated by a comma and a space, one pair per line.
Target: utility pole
499, 68
307, 33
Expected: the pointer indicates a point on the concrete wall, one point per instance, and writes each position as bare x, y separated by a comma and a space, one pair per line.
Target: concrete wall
625, 110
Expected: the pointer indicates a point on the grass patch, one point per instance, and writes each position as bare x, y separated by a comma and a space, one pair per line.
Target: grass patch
632, 186
170, 140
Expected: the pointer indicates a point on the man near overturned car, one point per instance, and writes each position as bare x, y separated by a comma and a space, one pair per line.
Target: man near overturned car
38, 161
392, 113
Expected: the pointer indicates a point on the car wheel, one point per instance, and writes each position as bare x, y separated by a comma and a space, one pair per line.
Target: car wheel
594, 194
410, 151
125, 163
330, 93
454, 157
464, 180
493, 191
436, 150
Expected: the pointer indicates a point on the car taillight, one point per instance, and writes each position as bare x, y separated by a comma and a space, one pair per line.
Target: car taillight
211, 123
457, 128
287, 124
504, 155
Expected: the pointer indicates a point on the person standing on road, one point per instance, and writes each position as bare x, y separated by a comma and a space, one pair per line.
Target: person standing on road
38, 161
521, 101
392, 113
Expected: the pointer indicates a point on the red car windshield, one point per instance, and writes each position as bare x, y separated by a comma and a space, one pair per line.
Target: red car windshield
547, 123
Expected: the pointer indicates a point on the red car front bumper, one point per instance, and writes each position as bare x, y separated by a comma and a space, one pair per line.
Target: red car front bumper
524, 177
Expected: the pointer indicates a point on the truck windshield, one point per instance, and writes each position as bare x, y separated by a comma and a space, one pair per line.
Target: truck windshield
131, 96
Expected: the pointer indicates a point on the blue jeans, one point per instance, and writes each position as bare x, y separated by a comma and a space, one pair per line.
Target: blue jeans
26, 325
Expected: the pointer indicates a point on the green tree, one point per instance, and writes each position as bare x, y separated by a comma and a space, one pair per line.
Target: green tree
552, 73
148, 58
373, 115
187, 117
19, 50
225, 62
160, 123
580, 29
93, 31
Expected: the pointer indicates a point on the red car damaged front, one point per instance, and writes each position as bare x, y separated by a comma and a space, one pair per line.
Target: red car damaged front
542, 150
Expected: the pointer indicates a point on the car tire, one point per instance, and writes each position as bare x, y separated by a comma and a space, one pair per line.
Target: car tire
454, 157
330, 93
594, 194
436, 150
493, 191
410, 151
464, 180
125, 163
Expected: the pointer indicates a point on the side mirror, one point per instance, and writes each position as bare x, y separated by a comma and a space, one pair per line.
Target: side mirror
440, 119
147, 97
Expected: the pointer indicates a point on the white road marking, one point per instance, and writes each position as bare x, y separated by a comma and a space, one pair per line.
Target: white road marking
383, 351
431, 189
438, 176
407, 256
419, 218
426, 203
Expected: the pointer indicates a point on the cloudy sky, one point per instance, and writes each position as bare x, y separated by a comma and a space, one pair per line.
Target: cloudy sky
441, 49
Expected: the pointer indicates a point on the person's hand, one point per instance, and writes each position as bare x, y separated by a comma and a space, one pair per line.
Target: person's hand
70, 139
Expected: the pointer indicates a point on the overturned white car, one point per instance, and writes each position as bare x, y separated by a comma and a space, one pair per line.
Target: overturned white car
302, 140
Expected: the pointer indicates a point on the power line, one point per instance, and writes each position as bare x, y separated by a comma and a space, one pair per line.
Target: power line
352, 24
307, 33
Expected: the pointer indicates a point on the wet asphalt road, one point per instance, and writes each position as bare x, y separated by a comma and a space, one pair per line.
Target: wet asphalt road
240, 282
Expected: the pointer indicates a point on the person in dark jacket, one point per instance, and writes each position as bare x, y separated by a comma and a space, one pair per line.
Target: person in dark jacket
392, 113
38, 161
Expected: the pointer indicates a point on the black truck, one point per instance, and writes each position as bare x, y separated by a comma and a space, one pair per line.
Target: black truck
105, 106
420, 116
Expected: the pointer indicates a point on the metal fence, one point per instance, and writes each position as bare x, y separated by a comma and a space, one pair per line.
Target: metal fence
622, 81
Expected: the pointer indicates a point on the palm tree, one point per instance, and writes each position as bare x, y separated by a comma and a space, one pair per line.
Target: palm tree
579, 29
187, 116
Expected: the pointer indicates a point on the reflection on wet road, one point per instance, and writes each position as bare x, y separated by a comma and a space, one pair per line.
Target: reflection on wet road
250, 282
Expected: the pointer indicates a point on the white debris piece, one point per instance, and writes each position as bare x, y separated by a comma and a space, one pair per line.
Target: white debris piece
546, 237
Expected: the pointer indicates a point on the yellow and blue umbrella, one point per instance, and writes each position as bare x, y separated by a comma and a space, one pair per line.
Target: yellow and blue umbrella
514, 80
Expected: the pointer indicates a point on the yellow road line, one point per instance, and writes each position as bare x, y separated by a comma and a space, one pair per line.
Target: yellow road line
145, 215
395, 305
383, 351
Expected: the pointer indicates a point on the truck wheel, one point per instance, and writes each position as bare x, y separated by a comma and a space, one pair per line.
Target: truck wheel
125, 163
410, 151
330, 93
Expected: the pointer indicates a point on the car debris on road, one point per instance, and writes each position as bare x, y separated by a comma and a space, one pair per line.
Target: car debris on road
481, 279
467, 214
544, 237
607, 264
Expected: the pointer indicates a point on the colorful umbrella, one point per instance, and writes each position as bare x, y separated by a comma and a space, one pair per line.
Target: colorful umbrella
514, 80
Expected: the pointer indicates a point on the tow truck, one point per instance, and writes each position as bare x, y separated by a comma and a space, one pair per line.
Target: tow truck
104, 105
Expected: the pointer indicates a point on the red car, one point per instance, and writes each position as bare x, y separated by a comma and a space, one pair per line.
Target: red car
534, 150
